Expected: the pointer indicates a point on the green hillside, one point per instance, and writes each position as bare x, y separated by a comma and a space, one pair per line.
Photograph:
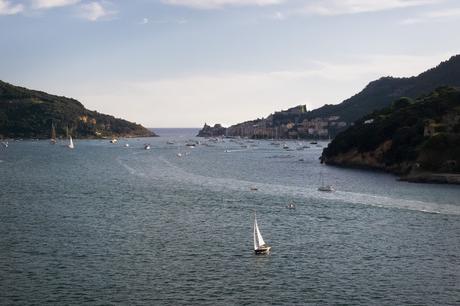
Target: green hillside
26, 113
382, 92
409, 137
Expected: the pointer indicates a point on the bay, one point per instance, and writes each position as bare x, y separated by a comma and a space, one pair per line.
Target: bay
109, 224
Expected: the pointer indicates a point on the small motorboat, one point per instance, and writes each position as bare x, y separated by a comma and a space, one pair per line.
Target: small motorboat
127, 145
254, 189
290, 206
146, 147
113, 140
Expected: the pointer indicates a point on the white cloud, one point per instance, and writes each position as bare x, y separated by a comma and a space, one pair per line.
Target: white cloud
94, 11
6, 8
279, 16
342, 7
440, 15
47, 4
170, 21
234, 97
215, 4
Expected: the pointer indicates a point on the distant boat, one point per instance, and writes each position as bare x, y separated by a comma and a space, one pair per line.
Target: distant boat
53, 134
323, 187
70, 145
127, 145
285, 146
5, 144
313, 142
170, 142
260, 247
254, 189
290, 206
114, 140
147, 147
179, 154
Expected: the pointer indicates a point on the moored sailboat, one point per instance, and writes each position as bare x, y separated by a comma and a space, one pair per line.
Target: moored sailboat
53, 134
71, 145
260, 247
324, 187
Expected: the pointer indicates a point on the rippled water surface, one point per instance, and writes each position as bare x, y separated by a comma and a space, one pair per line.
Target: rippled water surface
108, 224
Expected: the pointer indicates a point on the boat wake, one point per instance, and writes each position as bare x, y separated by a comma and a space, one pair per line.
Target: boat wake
170, 171
346, 197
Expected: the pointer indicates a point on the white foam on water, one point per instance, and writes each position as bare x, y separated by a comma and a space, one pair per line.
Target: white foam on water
181, 175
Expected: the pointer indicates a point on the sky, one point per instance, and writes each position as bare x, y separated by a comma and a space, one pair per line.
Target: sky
181, 63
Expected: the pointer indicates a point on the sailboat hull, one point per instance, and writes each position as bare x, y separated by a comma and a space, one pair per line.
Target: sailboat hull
263, 250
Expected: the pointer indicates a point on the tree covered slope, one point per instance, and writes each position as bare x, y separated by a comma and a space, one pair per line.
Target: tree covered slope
26, 113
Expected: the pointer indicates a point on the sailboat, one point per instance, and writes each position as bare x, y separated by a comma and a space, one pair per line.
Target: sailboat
53, 134
260, 247
71, 145
324, 187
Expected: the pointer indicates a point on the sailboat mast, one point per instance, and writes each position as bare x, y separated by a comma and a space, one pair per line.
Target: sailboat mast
53, 134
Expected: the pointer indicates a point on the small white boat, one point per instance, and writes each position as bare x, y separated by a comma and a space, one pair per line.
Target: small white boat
260, 247
70, 145
126, 145
114, 140
179, 154
53, 134
290, 206
285, 146
147, 147
324, 187
5, 144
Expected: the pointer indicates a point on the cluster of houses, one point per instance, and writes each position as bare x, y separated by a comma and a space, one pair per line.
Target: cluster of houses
307, 128
293, 123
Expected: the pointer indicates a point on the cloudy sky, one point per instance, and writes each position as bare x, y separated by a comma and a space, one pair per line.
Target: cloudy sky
180, 63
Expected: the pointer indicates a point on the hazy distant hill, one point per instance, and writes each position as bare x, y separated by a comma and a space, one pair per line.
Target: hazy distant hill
418, 138
382, 92
375, 96
26, 113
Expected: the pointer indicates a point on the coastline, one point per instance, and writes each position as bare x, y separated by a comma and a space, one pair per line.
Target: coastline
411, 177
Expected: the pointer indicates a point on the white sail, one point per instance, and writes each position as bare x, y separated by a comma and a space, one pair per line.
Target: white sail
258, 240
71, 145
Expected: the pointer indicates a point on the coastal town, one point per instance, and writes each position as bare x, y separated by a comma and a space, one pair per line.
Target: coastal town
294, 123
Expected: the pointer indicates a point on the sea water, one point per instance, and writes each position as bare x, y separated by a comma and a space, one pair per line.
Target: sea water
109, 224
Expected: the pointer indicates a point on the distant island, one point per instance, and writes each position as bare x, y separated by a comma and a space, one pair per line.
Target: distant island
418, 140
329, 120
26, 113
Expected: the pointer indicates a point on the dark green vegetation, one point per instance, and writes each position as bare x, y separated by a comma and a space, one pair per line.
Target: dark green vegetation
409, 137
380, 93
26, 113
